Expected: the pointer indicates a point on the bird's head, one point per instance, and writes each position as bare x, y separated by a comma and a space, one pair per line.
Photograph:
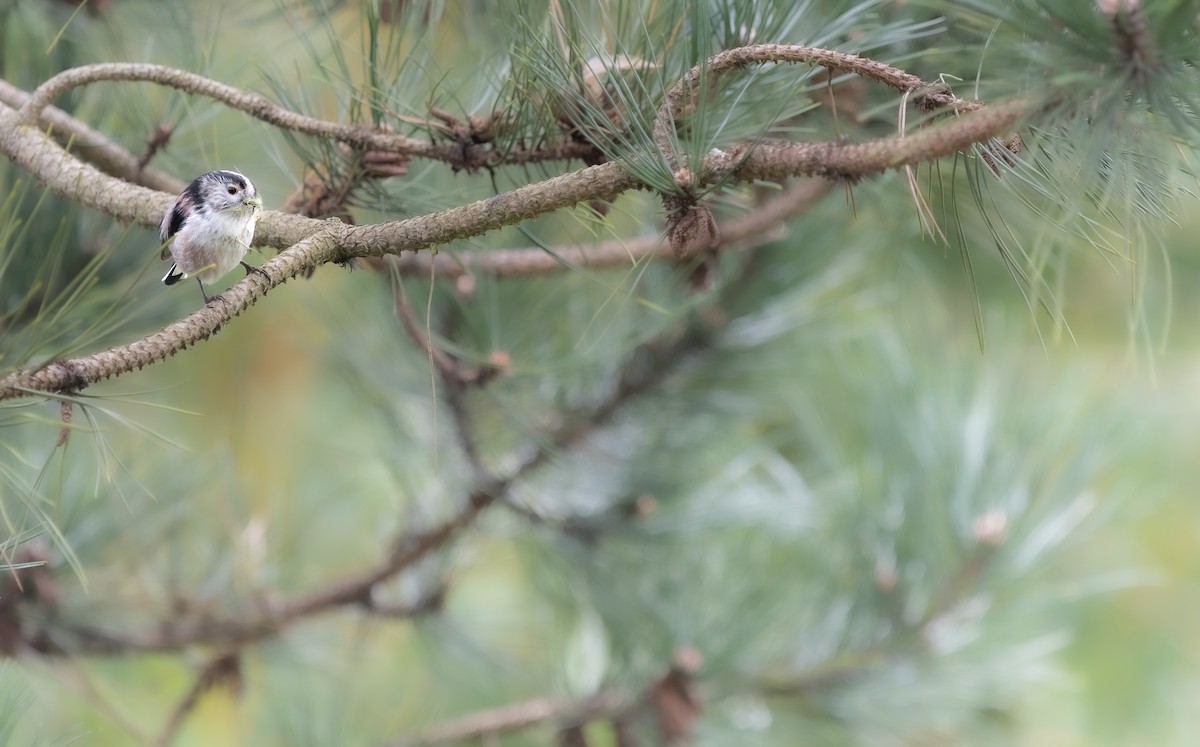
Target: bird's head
229, 191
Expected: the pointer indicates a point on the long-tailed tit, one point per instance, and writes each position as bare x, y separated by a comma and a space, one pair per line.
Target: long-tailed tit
209, 228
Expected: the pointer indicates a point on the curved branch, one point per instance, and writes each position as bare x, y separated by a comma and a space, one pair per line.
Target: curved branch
268, 111
930, 95
256, 106
95, 147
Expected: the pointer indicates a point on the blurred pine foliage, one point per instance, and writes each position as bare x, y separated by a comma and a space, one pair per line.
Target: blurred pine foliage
869, 484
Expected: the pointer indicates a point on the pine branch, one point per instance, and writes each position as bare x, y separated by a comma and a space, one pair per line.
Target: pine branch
268, 111
355, 590
91, 145
75, 374
313, 243
928, 96
750, 231
646, 367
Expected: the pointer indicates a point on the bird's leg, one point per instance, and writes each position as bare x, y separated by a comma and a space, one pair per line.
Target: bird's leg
207, 298
251, 268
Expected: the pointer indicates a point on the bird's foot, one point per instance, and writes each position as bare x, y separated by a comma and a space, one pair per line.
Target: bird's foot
251, 268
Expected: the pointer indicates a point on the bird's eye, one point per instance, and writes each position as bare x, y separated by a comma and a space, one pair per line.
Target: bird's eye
232, 189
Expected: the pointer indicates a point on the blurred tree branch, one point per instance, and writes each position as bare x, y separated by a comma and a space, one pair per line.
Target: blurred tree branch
671, 702
223, 669
646, 367
493, 722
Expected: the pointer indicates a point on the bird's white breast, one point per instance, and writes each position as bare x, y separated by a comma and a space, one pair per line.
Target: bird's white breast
210, 245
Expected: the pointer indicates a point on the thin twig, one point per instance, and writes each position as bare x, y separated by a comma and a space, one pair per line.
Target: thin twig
157, 142
517, 716
453, 377
444, 364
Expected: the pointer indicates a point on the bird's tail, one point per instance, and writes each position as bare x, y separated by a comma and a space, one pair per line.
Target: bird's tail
173, 275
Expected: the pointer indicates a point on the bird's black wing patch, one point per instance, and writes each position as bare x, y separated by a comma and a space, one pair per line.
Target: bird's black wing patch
170, 226
186, 204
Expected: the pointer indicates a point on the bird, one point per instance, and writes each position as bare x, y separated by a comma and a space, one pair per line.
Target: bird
208, 229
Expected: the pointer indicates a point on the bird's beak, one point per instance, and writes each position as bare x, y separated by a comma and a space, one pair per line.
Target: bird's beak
254, 202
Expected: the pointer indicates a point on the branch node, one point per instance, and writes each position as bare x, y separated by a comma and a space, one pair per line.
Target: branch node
66, 415
693, 233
